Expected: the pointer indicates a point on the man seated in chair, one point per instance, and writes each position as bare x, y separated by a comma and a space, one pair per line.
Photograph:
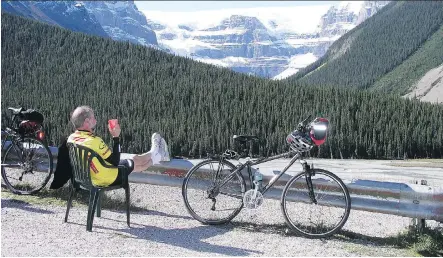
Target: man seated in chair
84, 122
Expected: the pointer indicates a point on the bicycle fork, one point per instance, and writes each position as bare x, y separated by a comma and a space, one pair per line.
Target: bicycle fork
309, 172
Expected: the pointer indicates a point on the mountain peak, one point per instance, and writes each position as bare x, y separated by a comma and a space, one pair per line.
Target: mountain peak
239, 22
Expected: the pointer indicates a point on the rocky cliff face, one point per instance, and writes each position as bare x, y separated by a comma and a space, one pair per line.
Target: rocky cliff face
69, 15
253, 44
263, 43
122, 21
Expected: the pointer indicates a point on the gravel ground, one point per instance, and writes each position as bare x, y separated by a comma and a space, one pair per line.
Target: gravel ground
163, 227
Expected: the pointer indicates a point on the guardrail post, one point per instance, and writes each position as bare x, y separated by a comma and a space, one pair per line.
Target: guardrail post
419, 223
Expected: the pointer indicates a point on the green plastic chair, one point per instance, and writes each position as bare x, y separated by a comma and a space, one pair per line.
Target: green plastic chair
81, 158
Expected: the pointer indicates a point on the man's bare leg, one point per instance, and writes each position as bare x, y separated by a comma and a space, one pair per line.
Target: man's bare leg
142, 162
145, 160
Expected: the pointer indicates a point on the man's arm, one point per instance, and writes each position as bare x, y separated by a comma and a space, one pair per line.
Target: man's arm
114, 158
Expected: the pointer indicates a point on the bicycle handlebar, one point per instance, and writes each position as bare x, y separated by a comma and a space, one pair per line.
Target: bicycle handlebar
302, 125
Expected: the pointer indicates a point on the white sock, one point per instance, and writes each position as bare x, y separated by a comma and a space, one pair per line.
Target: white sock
155, 157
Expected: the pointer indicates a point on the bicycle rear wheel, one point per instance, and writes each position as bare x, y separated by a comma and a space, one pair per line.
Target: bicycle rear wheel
200, 190
316, 220
27, 166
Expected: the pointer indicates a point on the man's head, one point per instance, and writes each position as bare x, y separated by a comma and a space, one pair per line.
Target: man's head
83, 118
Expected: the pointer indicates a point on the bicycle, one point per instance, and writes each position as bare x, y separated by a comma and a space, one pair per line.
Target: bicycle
25, 152
220, 189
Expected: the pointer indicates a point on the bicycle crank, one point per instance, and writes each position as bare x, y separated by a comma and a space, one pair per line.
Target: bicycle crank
252, 199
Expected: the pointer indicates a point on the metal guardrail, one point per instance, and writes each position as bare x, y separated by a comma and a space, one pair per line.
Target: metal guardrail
402, 199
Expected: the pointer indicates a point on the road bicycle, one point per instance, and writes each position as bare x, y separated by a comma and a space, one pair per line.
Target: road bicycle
315, 203
27, 162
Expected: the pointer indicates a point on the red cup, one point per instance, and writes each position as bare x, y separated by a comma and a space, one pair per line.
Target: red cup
112, 123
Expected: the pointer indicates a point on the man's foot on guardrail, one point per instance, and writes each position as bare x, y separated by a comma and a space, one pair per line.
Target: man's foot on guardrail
159, 149
165, 153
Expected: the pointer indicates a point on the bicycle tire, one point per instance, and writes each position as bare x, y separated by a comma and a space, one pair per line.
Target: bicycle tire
304, 207
39, 185
192, 176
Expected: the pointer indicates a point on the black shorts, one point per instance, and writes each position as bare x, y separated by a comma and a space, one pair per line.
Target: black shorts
129, 164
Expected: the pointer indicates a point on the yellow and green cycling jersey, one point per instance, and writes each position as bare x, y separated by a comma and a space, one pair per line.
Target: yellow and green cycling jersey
100, 175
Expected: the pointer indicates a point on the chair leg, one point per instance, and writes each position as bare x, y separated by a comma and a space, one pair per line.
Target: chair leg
91, 209
99, 204
91, 200
71, 195
127, 205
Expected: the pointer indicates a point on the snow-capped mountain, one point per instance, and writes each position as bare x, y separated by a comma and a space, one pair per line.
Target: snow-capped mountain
370, 8
268, 42
345, 16
68, 14
122, 21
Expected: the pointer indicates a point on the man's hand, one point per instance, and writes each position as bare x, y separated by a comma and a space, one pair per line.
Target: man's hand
115, 132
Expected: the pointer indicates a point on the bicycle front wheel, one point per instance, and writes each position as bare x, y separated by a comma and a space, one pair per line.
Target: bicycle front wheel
27, 166
205, 200
321, 219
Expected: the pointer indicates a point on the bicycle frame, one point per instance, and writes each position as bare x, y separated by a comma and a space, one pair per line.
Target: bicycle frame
249, 164
13, 138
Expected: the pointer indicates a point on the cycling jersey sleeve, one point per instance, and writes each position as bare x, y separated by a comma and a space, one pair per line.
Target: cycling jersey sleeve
114, 158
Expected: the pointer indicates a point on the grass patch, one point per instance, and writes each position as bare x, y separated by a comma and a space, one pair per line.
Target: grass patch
59, 197
427, 243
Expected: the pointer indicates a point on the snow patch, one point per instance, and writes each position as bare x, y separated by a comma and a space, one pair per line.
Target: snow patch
296, 63
216, 33
227, 61
309, 41
352, 6
300, 19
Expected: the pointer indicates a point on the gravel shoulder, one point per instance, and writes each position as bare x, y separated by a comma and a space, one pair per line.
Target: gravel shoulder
161, 226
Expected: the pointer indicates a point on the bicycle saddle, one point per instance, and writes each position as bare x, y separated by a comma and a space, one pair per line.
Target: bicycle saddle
16, 111
245, 138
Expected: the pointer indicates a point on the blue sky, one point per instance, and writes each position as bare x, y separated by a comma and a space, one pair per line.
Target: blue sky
189, 6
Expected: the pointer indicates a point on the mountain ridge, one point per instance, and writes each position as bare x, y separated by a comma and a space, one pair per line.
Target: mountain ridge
389, 52
179, 33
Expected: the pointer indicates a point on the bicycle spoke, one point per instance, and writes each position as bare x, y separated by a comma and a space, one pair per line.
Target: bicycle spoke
323, 218
200, 189
28, 166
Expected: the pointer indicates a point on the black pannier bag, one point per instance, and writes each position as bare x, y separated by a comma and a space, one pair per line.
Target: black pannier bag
32, 115
29, 122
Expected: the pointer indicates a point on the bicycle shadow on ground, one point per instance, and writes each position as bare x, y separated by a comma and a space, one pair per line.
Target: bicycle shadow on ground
402, 240
17, 204
189, 238
284, 230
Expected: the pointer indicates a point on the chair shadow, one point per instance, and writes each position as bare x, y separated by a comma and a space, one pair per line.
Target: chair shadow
18, 204
147, 212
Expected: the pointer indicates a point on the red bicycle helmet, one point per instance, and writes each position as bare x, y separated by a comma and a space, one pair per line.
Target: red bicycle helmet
319, 130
